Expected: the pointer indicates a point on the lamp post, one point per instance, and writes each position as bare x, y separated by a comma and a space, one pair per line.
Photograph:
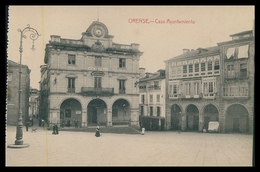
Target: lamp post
19, 129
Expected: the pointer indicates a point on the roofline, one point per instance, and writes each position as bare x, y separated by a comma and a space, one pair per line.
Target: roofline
241, 33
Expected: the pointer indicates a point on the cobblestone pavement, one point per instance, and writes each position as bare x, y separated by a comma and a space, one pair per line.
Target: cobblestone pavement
152, 149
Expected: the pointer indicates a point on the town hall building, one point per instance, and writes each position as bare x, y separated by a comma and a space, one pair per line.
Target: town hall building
90, 80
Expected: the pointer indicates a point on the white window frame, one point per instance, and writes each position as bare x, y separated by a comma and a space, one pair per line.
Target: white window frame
206, 82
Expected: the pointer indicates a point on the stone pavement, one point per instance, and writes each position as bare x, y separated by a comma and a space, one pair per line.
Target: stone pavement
152, 149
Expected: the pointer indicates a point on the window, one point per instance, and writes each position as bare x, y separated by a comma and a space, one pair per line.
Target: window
158, 98
175, 89
98, 82
184, 68
158, 109
151, 111
179, 70
209, 87
156, 85
173, 72
114, 112
190, 68
197, 65
188, 88
196, 88
142, 99
142, 110
216, 65
122, 87
71, 59
237, 89
243, 70
230, 70
98, 61
209, 65
122, 62
71, 85
151, 98
203, 66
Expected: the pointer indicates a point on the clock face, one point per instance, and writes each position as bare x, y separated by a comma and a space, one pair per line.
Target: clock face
98, 31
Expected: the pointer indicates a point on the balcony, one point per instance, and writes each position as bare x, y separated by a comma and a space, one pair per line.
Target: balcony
173, 96
237, 75
121, 91
196, 96
209, 95
154, 87
71, 90
92, 91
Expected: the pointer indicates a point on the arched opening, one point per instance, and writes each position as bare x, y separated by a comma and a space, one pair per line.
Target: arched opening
96, 112
210, 113
175, 117
192, 118
70, 112
121, 112
237, 119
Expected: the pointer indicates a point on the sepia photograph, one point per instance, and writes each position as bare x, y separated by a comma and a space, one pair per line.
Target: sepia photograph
140, 86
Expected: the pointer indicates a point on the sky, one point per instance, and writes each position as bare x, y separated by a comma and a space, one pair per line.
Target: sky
161, 37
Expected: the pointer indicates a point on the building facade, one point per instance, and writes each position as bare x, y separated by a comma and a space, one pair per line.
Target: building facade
212, 84
90, 80
12, 99
193, 83
238, 74
152, 100
33, 103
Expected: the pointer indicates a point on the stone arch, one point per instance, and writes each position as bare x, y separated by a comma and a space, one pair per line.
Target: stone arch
210, 113
70, 111
96, 112
129, 102
176, 111
121, 112
237, 118
192, 118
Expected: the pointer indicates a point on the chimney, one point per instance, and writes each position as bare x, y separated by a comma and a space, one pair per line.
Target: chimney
185, 50
142, 72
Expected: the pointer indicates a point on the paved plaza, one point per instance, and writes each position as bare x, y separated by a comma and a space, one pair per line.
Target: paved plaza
152, 149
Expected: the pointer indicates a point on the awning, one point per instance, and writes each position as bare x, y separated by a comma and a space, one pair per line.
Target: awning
243, 51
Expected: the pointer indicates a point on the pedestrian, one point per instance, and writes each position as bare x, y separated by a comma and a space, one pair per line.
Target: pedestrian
43, 122
179, 127
56, 129
53, 129
143, 130
27, 125
97, 134
76, 123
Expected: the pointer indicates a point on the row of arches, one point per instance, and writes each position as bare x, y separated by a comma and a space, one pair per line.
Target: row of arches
236, 117
96, 112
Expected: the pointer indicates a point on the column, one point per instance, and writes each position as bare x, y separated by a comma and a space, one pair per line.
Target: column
84, 121
134, 117
109, 118
201, 122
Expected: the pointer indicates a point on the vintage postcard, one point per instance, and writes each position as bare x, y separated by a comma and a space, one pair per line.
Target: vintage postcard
130, 86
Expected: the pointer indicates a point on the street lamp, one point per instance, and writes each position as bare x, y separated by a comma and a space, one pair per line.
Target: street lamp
19, 129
